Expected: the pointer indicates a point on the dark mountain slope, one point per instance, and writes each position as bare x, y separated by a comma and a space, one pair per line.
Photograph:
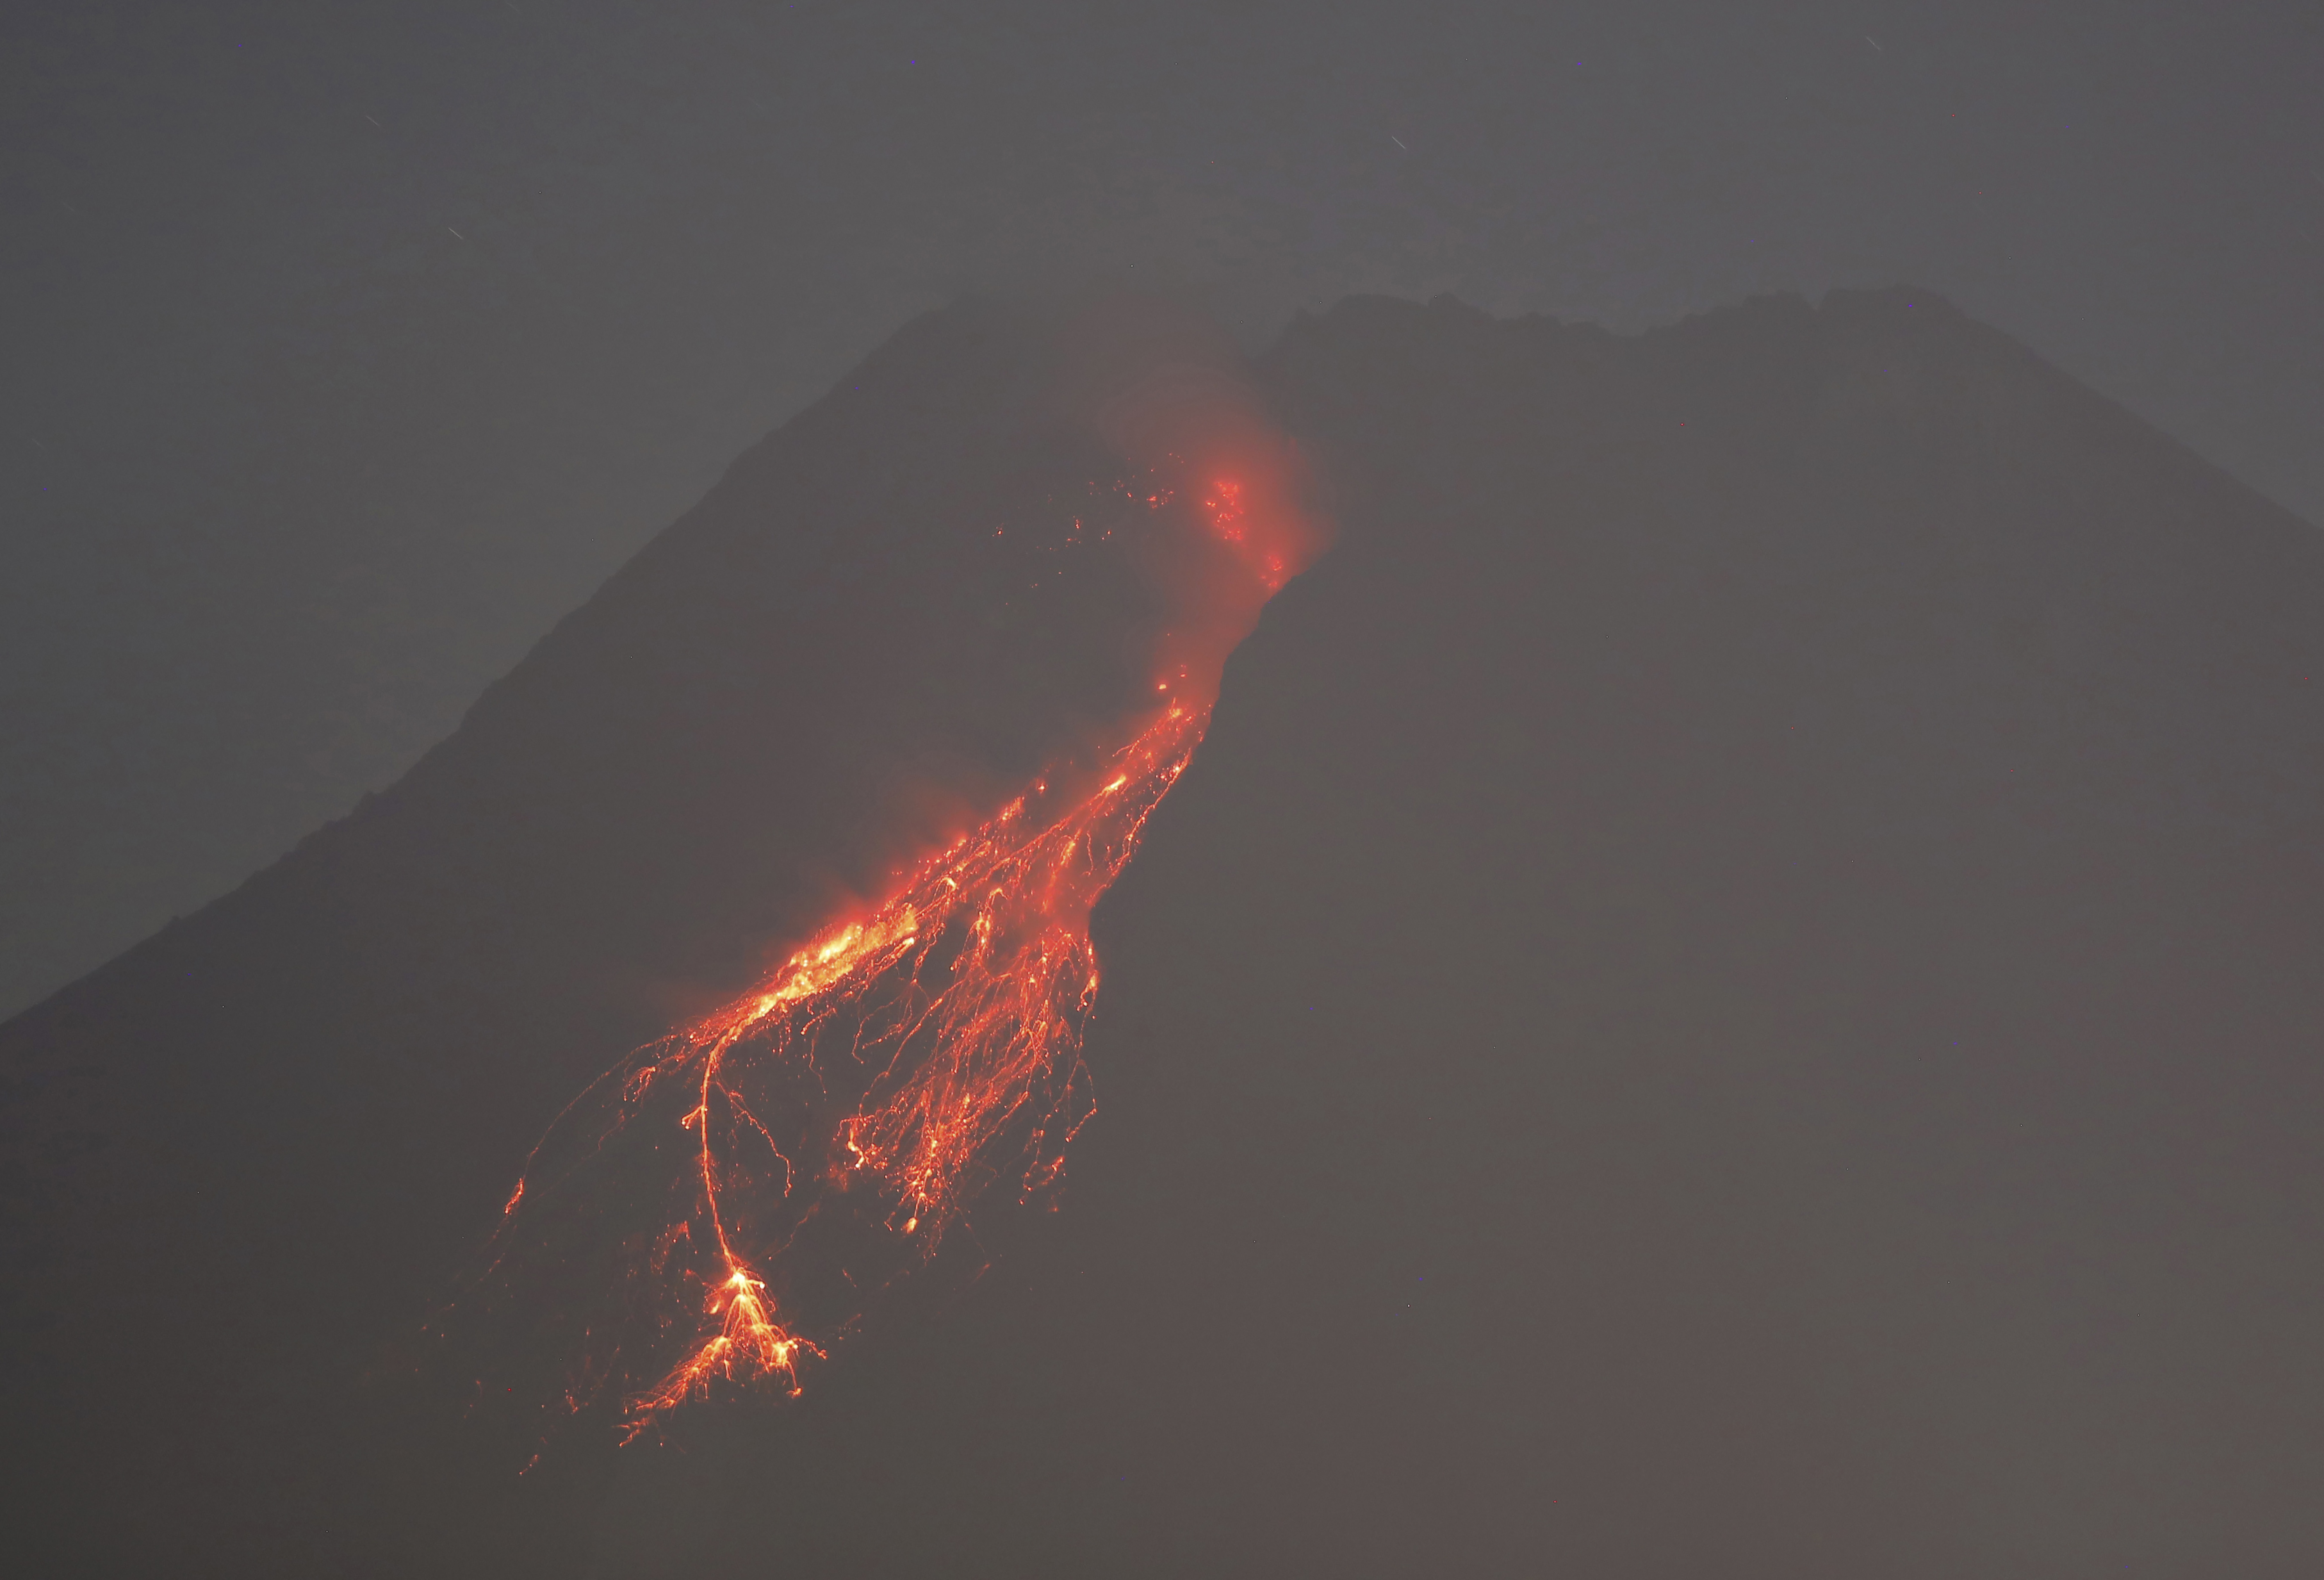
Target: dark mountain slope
1737, 998
1732, 994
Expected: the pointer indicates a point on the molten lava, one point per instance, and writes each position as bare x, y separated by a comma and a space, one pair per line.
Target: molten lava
962, 1001
723, 1206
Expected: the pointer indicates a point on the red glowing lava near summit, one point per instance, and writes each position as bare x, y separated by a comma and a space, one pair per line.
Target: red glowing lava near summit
716, 1212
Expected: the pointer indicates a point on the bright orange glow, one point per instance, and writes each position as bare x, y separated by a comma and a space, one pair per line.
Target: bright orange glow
963, 993
827, 1129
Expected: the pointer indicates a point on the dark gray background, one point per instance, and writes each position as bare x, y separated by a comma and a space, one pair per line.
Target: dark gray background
292, 468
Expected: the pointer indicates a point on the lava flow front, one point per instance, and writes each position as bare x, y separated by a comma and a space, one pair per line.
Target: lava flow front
717, 1211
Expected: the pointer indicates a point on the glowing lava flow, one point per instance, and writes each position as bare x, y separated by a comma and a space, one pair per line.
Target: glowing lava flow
837, 1121
964, 994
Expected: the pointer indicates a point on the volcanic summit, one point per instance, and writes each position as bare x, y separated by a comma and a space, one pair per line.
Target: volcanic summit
1731, 989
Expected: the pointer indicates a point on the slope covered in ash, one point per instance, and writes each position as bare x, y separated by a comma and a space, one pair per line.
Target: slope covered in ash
1735, 991
1732, 991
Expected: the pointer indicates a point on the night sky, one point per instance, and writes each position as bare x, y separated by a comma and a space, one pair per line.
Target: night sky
348, 346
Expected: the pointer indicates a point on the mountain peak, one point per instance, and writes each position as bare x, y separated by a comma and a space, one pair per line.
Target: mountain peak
1761, 899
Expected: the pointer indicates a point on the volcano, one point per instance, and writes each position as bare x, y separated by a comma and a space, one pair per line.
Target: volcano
1732, 988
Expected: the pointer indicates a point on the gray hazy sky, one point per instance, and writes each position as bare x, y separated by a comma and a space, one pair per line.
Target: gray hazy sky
346, 346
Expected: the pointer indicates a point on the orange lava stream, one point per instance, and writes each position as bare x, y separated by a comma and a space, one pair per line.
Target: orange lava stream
836, 1121
1008, 1007
962, 999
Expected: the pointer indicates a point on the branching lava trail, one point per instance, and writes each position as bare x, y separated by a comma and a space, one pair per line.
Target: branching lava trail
717, 1211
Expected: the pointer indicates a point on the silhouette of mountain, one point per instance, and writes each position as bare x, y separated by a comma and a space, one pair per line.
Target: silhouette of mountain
1731, 991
